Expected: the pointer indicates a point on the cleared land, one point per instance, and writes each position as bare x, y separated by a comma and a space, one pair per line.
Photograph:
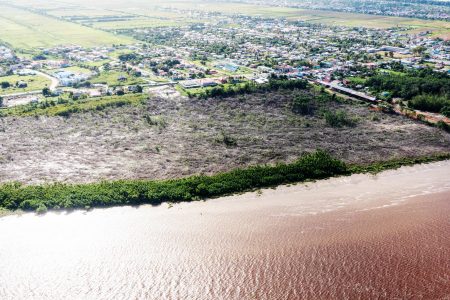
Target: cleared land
176, 136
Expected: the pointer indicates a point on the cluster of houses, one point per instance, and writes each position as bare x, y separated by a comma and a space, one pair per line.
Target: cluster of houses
6, 54
224, 46
69, 78
285, 47
79, 54
439, 10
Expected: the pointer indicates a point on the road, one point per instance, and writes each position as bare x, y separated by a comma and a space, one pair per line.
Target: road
54, 81
53, 85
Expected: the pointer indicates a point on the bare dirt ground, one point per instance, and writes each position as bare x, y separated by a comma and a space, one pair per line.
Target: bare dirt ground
175, 136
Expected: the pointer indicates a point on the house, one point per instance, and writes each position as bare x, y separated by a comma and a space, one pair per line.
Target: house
208, 82
122, 78
189, 84
261, 80
21, 84
226, 66
134, 89
68, 78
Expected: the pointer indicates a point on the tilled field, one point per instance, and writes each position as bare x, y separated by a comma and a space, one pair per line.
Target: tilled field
175, 137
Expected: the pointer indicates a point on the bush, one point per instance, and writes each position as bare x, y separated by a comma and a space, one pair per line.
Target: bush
249, 87
430, 103
303, 104
446, 111
338, 119
411, 83
442, 125
226, 139
317, 165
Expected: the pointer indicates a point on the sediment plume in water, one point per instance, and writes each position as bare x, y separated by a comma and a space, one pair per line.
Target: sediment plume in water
357, 237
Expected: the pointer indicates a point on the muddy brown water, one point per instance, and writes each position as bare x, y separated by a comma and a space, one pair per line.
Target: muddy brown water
360, 237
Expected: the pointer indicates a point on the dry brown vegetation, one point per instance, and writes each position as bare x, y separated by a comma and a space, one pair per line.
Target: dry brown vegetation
174, 137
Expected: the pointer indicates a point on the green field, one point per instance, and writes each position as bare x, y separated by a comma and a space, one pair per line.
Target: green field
35, 83
439, 28
26, 30
54, 107
74, 69
27, 24
111, 78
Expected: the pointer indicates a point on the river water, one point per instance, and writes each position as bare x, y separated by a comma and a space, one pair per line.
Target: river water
359, 237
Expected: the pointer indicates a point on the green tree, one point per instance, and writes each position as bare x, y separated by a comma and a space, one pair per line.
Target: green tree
46, 92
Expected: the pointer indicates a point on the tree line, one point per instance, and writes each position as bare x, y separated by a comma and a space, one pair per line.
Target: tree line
427, 90
316, 165
248, 87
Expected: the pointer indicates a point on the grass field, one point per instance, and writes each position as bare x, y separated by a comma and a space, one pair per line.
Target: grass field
27, 30
71, 107
111, 79
157, 12
439, 28
83, 22
74, 69
34, 83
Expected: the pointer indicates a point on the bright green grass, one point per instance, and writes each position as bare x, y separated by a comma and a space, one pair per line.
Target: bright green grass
357, 80
27, 30
111, 78
74, 69
98, 63
71, 107
138, 23
35, 83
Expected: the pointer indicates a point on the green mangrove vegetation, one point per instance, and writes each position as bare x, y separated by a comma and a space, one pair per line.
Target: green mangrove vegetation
312, 166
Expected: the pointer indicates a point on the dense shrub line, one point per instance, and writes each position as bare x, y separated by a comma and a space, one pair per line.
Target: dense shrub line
377, 167
249, 87
411, 84
317, 165
438, 104
67, 107
313, 166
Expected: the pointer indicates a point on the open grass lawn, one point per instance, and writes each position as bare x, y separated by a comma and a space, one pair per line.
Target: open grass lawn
357, 80
138, 23
111, 78
28, 30
74, 69
98, 63
35, 83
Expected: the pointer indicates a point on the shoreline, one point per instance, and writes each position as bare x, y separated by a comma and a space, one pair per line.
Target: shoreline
358, 236
343, 170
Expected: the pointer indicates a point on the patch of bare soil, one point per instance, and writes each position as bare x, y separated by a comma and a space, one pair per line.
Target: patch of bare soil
175, 136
